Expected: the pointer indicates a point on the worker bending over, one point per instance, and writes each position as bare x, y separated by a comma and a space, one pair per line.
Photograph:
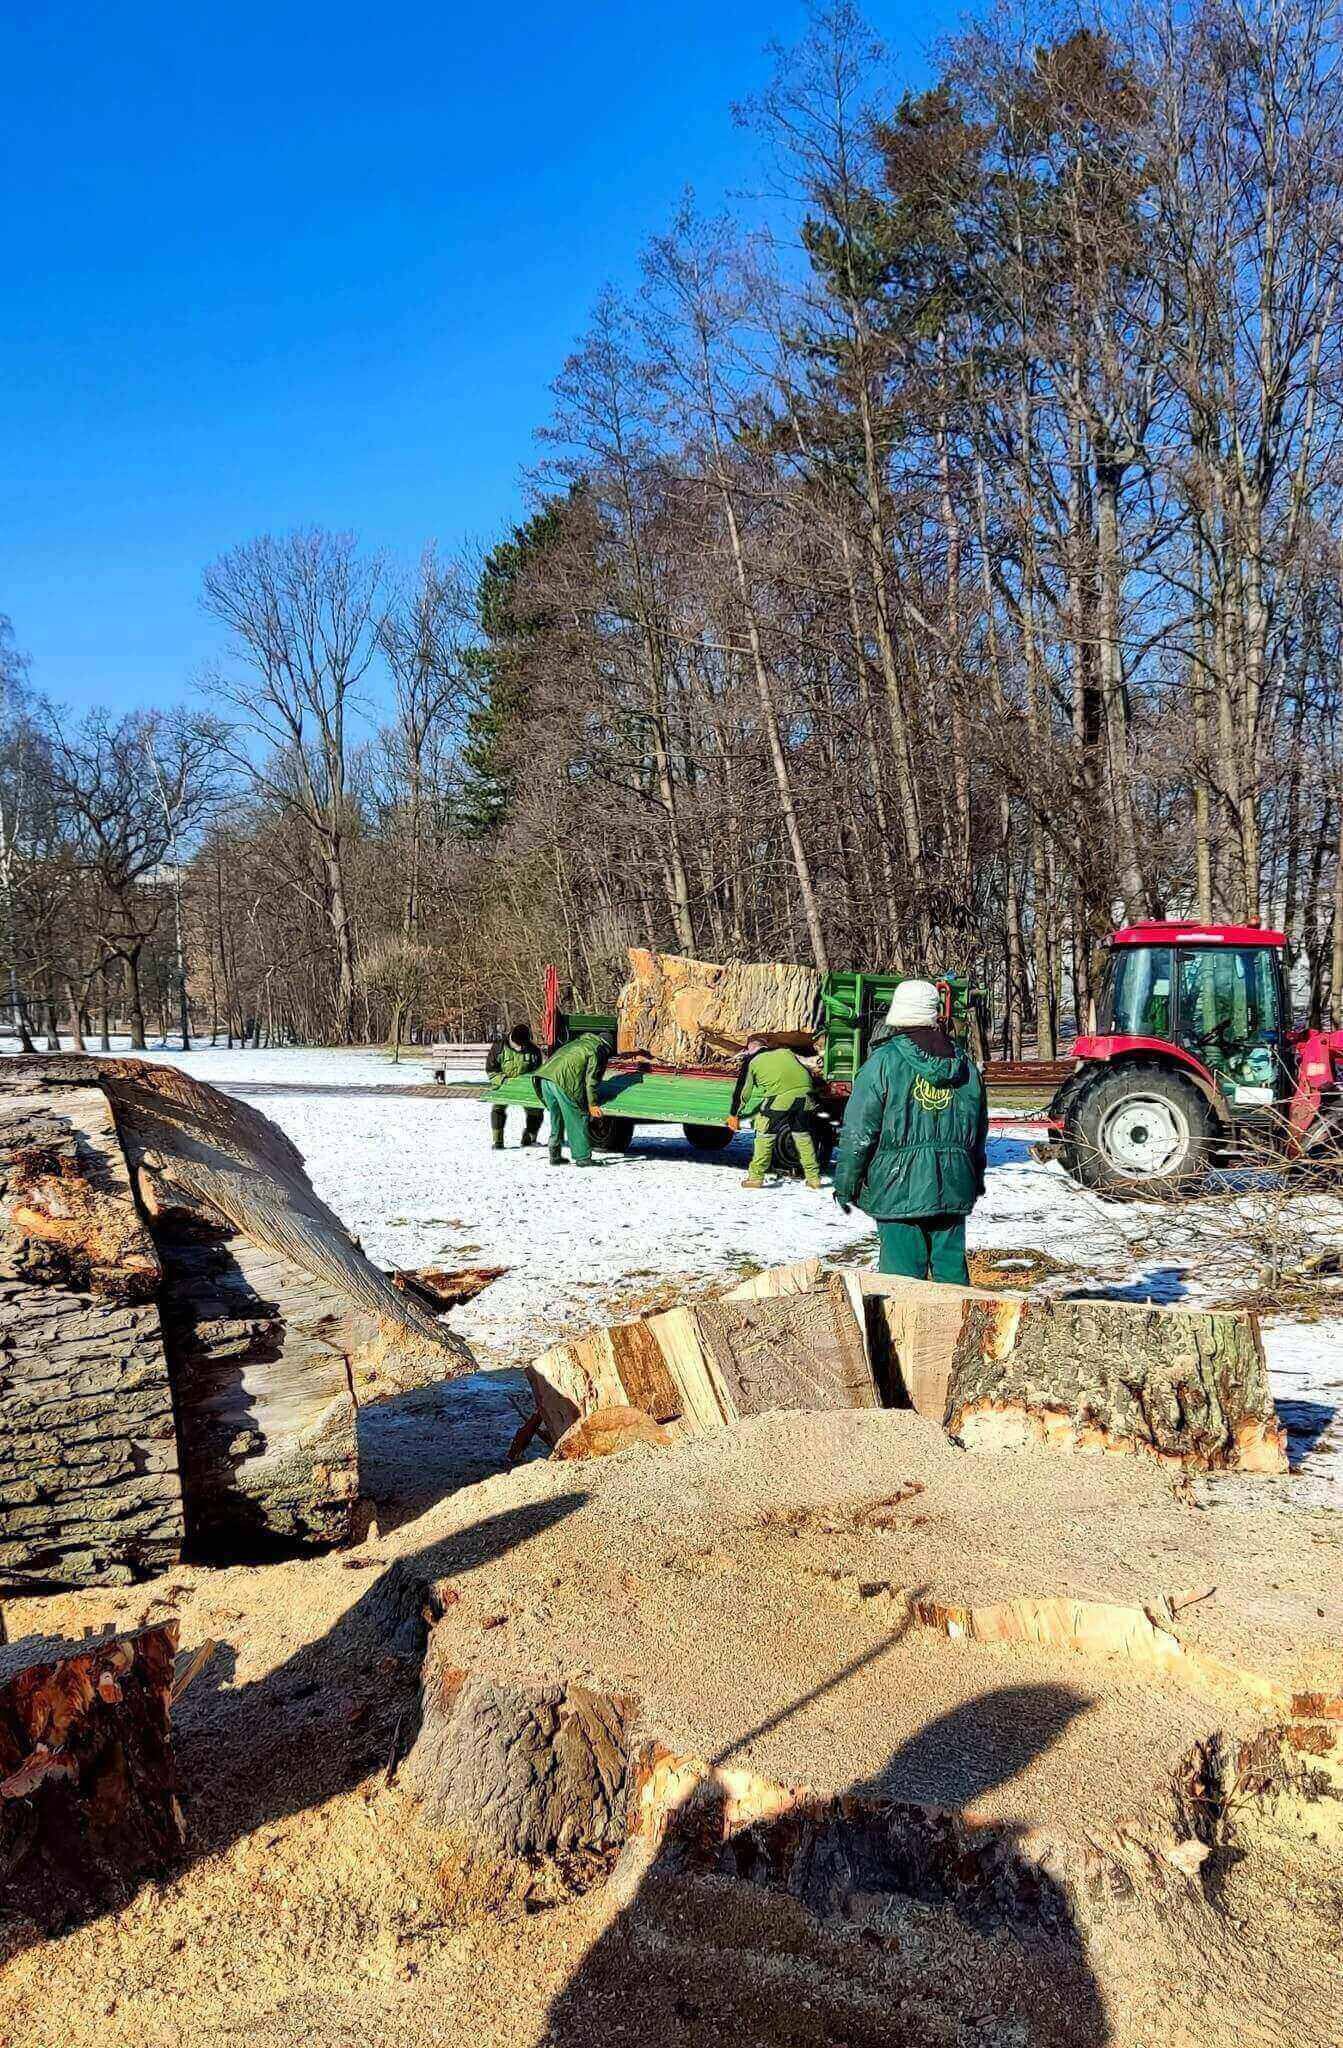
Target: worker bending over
568, 1083
913, 1148
775, 1089
508, 1057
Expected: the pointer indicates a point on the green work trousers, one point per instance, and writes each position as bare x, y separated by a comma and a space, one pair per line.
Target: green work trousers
531, 1124
568, 1119
925, 1248
762, 1152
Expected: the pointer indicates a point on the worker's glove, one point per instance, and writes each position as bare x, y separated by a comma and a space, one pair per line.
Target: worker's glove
734, 1123
842, 1206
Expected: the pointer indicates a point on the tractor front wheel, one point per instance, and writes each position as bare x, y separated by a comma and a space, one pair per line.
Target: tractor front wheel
1140, 1131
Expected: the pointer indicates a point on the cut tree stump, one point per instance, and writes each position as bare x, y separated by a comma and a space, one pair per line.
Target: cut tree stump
88, 1788
89, 1485
693, 1013
1188, 1386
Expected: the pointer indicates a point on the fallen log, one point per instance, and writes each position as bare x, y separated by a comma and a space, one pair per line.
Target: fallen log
440, 1288
701, 1013
1188, 1386
155, 1191
88, 1787
90, 1492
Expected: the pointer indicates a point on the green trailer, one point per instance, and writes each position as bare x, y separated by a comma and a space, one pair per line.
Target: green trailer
699, 1099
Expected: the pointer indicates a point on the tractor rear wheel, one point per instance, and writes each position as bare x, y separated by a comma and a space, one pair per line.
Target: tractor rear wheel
708, 1137
1140, 1131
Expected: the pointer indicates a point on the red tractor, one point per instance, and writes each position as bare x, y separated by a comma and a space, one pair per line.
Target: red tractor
1194, 1063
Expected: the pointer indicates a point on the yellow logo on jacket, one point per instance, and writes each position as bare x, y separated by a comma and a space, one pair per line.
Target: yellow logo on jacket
930, 1097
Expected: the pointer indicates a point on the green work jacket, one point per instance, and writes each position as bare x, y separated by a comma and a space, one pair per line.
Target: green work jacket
573, 1070
511, 1060
775, 1079
915, 1134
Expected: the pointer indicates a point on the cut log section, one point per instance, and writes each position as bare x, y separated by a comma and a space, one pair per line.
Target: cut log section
694, 1013
261, 1371
88, 1789
1188, 1386
695, 1368
89, 1486
129, 1185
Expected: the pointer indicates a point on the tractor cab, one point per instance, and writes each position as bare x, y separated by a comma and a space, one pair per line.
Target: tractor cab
1215, 996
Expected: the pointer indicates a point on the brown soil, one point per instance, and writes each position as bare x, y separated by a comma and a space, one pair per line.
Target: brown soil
782, 1601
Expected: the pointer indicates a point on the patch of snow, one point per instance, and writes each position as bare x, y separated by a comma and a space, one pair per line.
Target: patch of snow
282, 1065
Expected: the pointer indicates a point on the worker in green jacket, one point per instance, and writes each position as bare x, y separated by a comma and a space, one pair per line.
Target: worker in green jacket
775, 1090
508, 1057
914, 1144
568, 1083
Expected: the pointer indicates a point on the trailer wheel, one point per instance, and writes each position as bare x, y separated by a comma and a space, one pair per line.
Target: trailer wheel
785, 1151
612, 1133
1140, 1131
708, 1137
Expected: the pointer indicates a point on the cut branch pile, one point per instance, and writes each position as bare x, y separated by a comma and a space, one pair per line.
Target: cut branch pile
693, 1013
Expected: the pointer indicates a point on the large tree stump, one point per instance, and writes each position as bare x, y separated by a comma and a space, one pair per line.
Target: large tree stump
88, 1789
89, 1486
997, 1370
693, 1013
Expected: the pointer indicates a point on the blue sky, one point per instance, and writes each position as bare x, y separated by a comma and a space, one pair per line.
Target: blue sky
301, 263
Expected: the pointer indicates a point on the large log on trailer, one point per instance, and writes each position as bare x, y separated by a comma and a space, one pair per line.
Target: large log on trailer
89, 1485
1188, 1386
88, 1789
692, 1013
271, 1312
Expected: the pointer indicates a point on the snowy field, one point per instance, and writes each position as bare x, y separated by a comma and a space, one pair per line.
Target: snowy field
415, 1179
284, 1066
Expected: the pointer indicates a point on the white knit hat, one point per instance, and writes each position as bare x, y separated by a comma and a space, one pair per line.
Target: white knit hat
915, 1002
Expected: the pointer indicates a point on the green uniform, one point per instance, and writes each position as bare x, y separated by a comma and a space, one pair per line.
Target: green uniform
776, 1092
568, 1083
912, 1154
506, 1062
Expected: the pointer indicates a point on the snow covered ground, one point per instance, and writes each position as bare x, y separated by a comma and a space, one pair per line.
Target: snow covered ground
288, 1066
415, 1178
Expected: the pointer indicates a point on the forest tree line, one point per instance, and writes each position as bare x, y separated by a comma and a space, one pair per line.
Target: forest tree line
931, 570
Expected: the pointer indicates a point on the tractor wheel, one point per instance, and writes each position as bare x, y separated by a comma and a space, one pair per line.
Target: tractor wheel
708, 1137
785, 1151
612, 1133
1140, 1131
